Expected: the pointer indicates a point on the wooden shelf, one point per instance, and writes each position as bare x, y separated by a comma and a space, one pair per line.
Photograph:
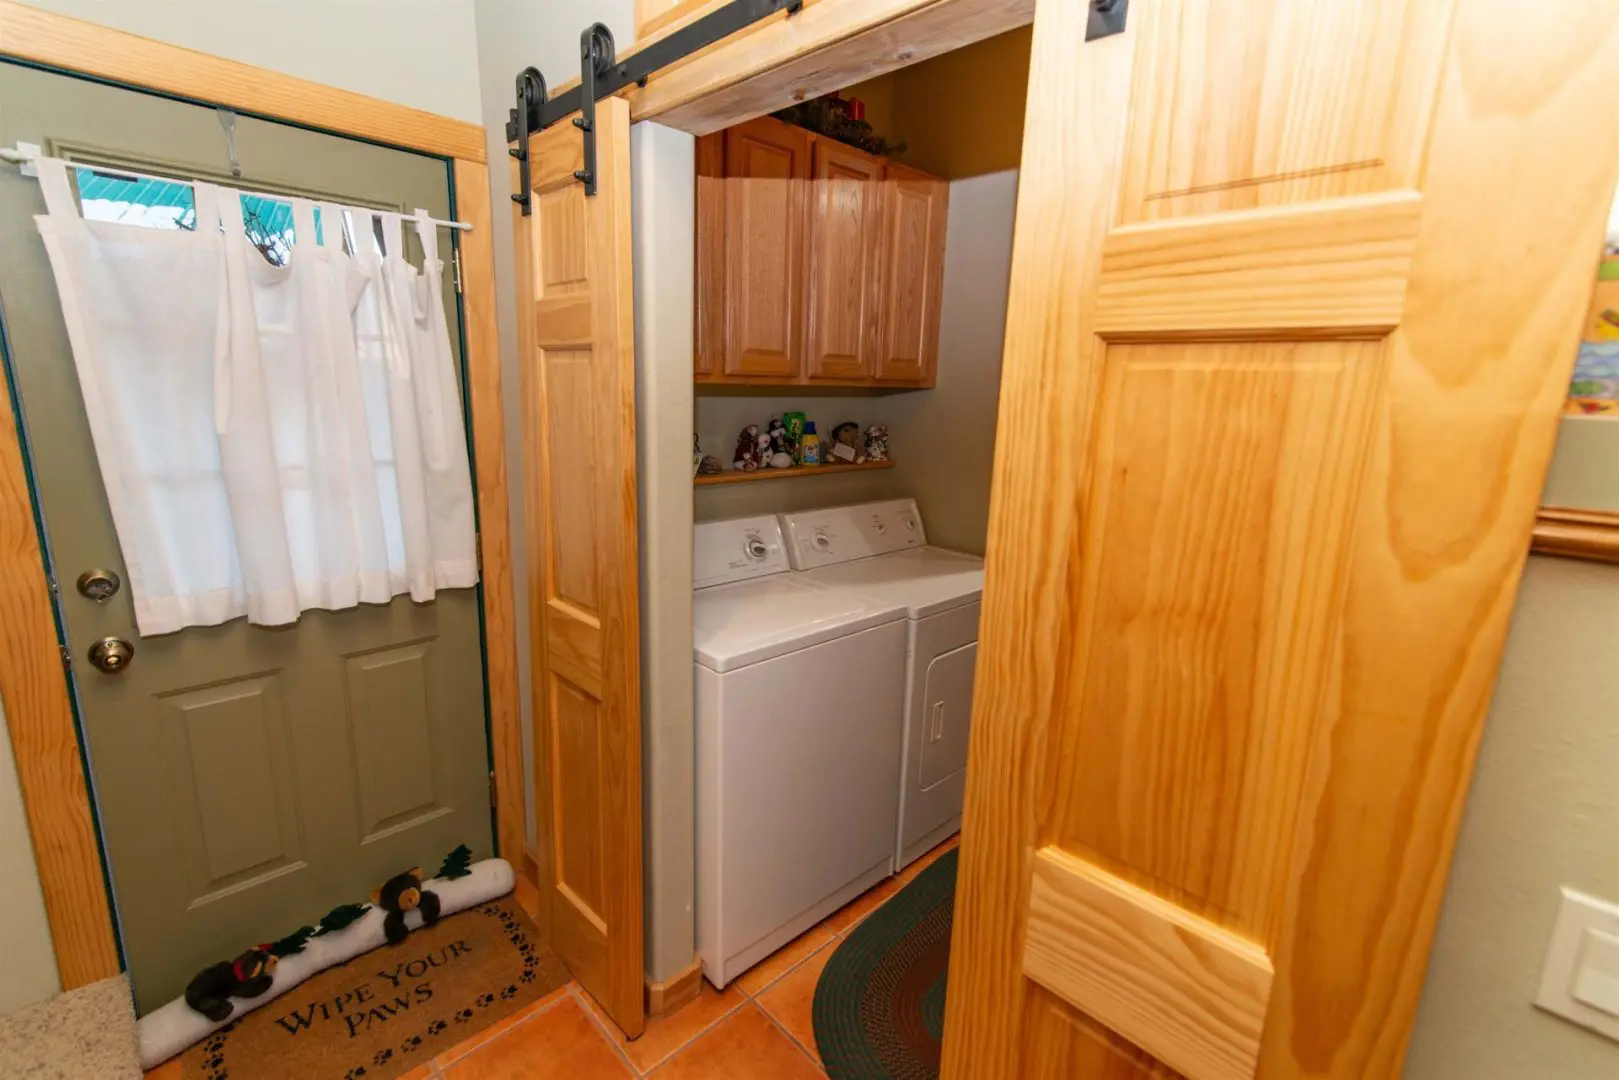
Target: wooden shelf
735, 476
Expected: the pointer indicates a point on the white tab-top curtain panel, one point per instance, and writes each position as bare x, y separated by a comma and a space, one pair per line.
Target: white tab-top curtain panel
272, 438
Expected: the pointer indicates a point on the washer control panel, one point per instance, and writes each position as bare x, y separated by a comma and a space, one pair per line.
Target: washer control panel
736, 550
841, 534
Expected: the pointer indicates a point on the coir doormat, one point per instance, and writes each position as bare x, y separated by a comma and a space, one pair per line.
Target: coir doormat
387, 1012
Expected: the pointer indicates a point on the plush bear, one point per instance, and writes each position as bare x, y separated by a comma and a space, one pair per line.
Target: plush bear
249, 975
400, 894
846, 443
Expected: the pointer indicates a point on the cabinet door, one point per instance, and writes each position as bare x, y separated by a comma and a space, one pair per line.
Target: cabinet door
914, 211
709, 348
844, 266
766, 177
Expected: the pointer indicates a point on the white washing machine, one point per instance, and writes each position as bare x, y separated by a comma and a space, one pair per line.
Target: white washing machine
800, 691
880, 550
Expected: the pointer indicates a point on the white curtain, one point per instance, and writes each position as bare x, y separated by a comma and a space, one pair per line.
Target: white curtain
272, 439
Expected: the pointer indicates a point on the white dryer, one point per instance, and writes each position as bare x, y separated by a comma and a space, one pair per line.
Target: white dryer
799, 697
880, 550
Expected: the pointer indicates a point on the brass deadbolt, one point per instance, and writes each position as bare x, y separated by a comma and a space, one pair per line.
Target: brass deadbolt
112, 654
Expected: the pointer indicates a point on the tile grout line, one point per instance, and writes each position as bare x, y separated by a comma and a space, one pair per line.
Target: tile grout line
790, 1037
578, 993
732, 1011
541, 1010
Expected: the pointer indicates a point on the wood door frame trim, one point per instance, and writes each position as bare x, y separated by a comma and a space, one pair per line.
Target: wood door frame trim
116, 55
39, 712
826, 46
1577, 534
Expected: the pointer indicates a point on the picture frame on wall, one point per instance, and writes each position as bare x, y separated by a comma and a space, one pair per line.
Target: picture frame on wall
1579, 513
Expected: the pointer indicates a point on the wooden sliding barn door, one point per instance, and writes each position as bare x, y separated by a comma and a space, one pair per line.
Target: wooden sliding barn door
1294, 302
578, 383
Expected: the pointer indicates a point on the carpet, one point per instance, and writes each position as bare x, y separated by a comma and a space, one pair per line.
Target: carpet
88, 1032
879, 1006
389, 1010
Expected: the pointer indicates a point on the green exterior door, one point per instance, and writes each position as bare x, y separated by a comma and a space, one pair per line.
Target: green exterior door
247, 779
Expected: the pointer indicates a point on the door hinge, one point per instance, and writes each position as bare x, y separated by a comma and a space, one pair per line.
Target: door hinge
67, 657
1106, 18
455, 263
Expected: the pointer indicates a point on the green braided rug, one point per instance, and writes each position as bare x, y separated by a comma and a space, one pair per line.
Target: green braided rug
879, 1007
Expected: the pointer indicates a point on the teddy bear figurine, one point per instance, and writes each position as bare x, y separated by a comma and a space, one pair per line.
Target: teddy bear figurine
747, 449
877, 442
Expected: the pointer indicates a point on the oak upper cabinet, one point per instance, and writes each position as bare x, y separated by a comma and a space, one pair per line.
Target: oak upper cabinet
912, 249
817, 263
767, 168
845, 200
709, 350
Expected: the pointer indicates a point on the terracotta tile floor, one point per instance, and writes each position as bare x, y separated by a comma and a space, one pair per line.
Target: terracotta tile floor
759, 1026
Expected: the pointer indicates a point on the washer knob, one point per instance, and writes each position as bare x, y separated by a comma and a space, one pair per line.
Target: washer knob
755, 548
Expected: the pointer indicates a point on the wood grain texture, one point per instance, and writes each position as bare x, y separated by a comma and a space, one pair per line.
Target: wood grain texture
1299, 102
1049, 376
45, 741
494, 513
708, 354
797, 472
827, 46
671, 994
1313, 267
767, 168
1206, 590
59, 41
1577, 534
916, 207
1263, 649
845, 260
1186, 990
652, 17
579, 429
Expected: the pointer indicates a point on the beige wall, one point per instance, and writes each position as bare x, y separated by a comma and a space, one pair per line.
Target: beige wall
961, 114
664, 186
1544, 812
420, 53
25, 937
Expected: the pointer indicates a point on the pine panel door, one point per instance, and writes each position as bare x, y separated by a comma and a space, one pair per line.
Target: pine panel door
1290, 322
578, 385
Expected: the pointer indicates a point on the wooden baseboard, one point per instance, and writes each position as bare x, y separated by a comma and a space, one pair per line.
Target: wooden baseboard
671, 994
529, 866
1577, 534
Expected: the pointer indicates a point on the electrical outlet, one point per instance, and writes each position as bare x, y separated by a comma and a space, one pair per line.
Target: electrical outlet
1580, 981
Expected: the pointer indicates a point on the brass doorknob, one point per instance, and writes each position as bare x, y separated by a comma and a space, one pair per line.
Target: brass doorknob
111, 654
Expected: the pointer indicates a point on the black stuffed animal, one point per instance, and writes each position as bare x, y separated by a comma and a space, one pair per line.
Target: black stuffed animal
402, 893
249, 975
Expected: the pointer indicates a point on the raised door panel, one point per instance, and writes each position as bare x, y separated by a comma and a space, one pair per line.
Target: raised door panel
1212, 799
844, 263
579, 428
708, 353
767, 166
914, 211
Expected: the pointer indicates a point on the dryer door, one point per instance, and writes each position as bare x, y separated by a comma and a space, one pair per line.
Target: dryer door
947, 711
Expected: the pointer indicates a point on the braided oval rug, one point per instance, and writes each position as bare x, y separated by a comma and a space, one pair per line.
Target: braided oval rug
879, 1007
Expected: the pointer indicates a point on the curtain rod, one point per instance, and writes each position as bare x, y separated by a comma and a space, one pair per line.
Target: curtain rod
24, 156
